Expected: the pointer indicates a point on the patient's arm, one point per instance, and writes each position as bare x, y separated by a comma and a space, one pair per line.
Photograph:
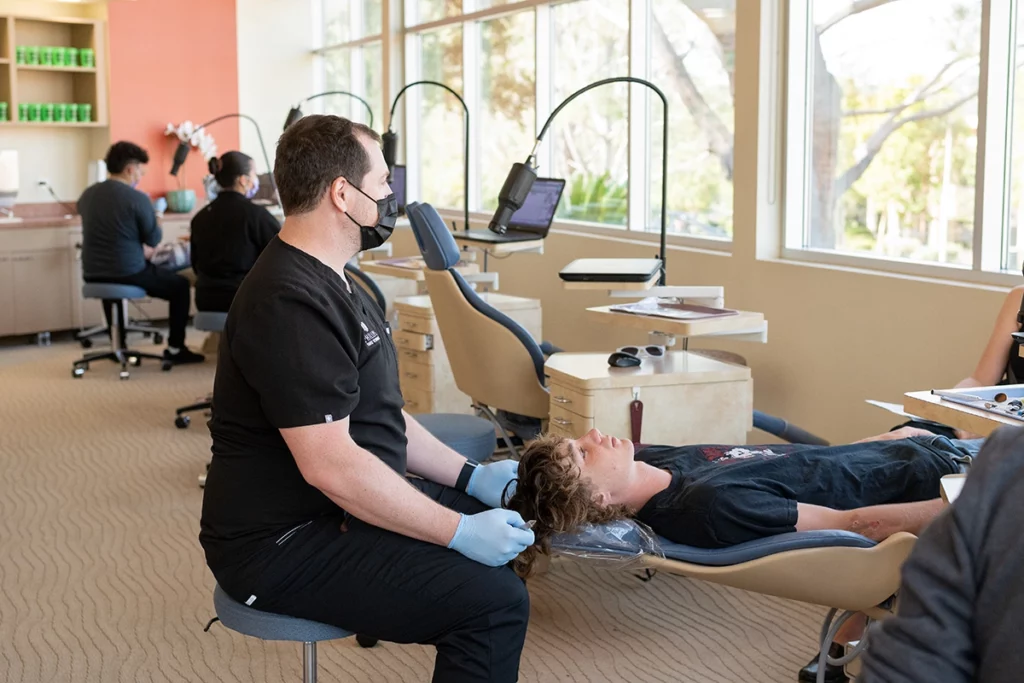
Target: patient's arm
897, 434
876, 522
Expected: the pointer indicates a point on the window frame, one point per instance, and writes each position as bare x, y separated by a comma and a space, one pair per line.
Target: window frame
994, 102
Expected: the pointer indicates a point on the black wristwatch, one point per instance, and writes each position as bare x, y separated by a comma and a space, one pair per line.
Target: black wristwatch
467, 471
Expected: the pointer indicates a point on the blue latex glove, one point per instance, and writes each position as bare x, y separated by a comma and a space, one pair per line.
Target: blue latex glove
492, 537
488, 481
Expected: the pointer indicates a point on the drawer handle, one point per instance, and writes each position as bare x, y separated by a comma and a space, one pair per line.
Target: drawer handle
561, 399
411, 375
561, 421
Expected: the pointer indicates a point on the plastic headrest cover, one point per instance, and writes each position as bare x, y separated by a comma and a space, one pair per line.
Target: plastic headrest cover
432, 236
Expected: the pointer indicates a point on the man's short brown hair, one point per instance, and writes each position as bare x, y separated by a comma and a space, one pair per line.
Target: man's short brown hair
314, 151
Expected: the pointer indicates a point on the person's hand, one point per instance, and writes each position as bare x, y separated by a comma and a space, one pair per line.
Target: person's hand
967, 436
487, 482
492, 537
148, 251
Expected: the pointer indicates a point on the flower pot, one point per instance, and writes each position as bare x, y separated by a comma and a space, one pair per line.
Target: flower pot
181, 201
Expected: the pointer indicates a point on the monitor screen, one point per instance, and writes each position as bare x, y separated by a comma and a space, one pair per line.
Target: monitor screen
539, 208
398, 186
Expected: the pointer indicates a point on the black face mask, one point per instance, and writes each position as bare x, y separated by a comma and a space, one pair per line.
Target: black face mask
387, 215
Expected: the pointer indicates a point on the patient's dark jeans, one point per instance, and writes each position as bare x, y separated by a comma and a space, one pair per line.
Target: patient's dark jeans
387, 586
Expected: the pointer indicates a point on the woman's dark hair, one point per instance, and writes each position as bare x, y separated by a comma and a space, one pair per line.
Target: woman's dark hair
312, 153
230, 167
123, 153
551, 491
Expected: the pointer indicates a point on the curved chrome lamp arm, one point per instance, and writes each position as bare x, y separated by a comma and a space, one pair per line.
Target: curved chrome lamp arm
184, 148
391, 139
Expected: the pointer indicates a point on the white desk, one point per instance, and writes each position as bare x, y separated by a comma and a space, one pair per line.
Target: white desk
536, 246
746, 322
931, 407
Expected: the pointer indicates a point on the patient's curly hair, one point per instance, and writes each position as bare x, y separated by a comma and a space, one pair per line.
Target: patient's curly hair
551, 491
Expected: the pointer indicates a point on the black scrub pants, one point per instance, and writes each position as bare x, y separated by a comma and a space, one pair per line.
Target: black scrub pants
391, 587
161, 283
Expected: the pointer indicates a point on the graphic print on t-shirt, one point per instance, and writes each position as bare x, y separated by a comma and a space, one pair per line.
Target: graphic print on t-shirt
720, 454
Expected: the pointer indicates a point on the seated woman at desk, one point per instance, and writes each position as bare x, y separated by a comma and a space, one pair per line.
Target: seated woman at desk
230, 233
716, 496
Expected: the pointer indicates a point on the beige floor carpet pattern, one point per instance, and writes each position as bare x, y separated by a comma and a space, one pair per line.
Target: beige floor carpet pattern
102, 578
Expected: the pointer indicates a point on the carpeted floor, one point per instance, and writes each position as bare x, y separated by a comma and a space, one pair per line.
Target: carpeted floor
102, 578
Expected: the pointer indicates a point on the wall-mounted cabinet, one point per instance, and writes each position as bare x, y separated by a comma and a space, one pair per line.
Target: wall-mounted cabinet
43, 85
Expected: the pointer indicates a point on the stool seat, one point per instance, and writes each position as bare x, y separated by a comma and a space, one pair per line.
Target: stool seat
209, 321
467, 435
105, 290
268, 626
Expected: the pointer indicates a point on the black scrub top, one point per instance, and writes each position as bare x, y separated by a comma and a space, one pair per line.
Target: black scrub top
301, 347
228, 235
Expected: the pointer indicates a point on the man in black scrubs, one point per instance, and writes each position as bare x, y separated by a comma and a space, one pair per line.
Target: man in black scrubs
307, 509
119, 233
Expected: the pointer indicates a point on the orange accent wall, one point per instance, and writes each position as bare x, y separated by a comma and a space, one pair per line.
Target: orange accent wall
172, 60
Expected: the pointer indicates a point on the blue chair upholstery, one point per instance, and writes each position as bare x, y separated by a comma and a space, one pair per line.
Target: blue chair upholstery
209, 321
467, 435
104, 290
440, 252
268, 626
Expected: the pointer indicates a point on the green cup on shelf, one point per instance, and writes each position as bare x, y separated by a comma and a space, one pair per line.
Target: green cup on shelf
33, 111
59, 56
31, 54
71, 56
84, 112
88, 57
3, 111
19, 54
60, 112
72, 113
46, 112
23, 112
46, 56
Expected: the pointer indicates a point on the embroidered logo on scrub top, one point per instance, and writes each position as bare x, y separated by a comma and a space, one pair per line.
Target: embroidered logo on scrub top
369, 336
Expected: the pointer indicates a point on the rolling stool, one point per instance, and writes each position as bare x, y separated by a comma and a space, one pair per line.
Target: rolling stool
269, 626
204, 321
119, 295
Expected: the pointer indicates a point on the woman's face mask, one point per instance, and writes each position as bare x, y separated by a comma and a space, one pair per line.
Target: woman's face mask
372, 236
251, 192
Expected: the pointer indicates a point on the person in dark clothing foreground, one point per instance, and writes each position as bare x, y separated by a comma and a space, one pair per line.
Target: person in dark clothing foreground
963, 586
119, 234
230, 233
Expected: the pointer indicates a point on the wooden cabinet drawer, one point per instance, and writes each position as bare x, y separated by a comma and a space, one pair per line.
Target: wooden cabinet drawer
416, 376
417, 400
419, 357
414, 340
572, 400
411, 323
568, 422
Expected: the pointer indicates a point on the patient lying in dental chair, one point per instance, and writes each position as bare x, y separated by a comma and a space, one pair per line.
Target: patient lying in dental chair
714, 496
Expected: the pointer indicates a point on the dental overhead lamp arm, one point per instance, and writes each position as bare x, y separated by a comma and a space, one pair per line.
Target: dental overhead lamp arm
520, 179
296, 112
390, 139
184, 148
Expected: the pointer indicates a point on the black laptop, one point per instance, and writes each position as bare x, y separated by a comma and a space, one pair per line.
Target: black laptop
611, 270
533, 219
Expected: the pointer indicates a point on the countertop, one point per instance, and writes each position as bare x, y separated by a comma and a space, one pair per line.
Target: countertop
53, 215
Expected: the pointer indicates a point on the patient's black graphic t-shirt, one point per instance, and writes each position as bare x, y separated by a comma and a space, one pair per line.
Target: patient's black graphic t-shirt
301, 347
724, 495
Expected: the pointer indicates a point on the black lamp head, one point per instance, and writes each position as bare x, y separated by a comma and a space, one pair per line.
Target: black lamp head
180, 155
294, 114
389, 141
513, 193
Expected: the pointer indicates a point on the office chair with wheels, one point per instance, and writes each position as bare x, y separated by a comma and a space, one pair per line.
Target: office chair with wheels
115, 297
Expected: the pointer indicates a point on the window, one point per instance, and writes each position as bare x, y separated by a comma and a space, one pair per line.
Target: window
348, 20
884, 106
691, 52
351, 60
1013, 240
591, 136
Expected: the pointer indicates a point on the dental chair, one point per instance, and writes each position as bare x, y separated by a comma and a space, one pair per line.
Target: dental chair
493, 358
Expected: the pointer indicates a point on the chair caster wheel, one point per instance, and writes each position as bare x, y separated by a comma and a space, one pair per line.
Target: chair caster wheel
366, 641
135, 361
158, 338
182, 421
124, 374
202, 481
86, 343
166, 365
78, 372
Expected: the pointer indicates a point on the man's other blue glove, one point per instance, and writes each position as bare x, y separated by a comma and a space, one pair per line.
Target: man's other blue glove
492, 537
488, 481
